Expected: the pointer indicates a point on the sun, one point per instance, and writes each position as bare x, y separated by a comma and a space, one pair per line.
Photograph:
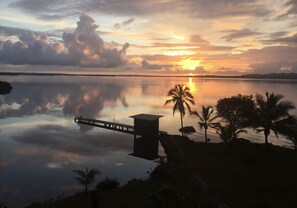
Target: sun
189, 64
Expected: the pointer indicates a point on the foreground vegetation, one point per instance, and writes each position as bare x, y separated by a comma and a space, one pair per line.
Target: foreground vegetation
236, 174
265, 114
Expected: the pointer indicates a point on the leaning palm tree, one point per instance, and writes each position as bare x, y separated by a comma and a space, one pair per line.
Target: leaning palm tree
288, 128
206, 119
182, 98
271, 114
85, 178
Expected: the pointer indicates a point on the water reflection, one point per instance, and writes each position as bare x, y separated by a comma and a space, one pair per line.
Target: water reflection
40, 144
146, 148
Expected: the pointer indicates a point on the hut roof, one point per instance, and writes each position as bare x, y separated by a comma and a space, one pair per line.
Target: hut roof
147, 117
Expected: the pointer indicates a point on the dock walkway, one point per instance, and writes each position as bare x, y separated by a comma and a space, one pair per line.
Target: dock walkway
105, 124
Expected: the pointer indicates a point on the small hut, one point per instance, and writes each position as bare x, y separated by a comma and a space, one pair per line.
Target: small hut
146, 125
146, 136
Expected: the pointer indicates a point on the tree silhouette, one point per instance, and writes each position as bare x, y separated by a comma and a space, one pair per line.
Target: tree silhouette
272, 114
206, 119
228, 133
237, 111
5, 88
85, 178
288, 128
182, 98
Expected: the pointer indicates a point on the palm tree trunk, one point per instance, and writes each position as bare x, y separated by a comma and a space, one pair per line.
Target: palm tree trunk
181, 122
266, 139
205, 132
86, 188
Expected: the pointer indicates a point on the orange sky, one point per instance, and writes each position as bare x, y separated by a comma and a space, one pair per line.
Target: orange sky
160, 36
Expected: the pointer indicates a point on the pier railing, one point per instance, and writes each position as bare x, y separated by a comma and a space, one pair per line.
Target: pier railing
105, 124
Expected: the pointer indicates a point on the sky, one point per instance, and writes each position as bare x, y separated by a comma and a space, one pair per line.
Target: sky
221, 37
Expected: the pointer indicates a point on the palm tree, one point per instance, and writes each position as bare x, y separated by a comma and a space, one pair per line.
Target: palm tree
288, 128
182, 98
85, 178
206, 119
228, 133
272, 114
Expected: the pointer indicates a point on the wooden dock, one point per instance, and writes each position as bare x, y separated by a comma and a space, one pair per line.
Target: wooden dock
105, 124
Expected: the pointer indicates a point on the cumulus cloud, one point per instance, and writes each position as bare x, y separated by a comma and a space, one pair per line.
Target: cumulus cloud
236, 34
83, 47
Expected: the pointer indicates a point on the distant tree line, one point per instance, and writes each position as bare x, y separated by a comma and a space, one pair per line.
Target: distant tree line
231, 116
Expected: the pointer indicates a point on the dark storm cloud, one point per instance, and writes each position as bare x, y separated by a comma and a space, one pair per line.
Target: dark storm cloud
83, 47
195, 8
236, 34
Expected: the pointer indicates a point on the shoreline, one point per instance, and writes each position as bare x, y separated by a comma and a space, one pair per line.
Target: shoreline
283, 76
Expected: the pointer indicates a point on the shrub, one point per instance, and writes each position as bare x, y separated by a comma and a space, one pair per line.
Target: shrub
108, 184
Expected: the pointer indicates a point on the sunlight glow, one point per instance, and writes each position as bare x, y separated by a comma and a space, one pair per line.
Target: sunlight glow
179, 53
189, 64
192, 85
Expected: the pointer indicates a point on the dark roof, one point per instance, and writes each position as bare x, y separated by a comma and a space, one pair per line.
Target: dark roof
148, 117
187, 129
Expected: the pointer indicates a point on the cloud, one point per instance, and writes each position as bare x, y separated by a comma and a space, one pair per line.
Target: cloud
145, 64
292, 7
54, 140
117, 26
83, 47
50, 10
236, 34
197, 39
273, 59
201, 70
11, 31
73, 99
195, 8
196, 43
289, 40
278, 34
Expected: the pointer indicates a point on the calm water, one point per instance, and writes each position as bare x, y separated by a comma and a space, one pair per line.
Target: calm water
40, 145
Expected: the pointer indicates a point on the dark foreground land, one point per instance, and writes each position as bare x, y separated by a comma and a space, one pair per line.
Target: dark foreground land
234, 175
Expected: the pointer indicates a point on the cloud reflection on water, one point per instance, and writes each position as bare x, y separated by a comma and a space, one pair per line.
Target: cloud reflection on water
40, 144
